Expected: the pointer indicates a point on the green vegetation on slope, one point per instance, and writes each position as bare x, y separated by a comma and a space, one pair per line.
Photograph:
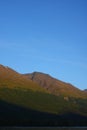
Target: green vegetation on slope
43, 102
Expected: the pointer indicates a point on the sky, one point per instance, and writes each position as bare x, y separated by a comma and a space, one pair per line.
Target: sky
48, 36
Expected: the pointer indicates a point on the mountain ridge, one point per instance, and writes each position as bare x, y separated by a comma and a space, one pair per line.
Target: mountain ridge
45, 82
12, 79
40, 93
54, 85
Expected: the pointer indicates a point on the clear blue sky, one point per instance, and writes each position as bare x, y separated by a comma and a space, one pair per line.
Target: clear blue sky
49, 36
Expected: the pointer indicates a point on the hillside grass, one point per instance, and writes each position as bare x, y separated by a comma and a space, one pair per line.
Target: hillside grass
43, 101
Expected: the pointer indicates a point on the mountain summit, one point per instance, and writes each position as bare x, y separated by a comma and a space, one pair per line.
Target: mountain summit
55, 86
9, 78
38, 81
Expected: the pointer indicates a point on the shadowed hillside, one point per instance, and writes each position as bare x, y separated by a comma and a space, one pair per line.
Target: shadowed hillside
14, 115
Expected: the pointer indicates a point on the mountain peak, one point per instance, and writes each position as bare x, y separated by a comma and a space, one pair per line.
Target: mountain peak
6, 69
36, 72
44, 81
3, 66
54, 86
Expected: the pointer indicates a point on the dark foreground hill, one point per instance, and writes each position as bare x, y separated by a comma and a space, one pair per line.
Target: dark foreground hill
25, 102
14, 115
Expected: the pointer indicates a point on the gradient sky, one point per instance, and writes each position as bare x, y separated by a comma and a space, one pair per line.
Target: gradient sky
48, 36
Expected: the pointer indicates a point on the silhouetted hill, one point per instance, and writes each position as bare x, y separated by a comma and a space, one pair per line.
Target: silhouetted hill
14, 115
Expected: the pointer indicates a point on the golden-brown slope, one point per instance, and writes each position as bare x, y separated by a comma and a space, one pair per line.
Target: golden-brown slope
11, 79
55, 86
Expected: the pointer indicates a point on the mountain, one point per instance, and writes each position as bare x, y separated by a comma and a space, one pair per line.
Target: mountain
55, 86
38, 99
85, 90
9, 78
